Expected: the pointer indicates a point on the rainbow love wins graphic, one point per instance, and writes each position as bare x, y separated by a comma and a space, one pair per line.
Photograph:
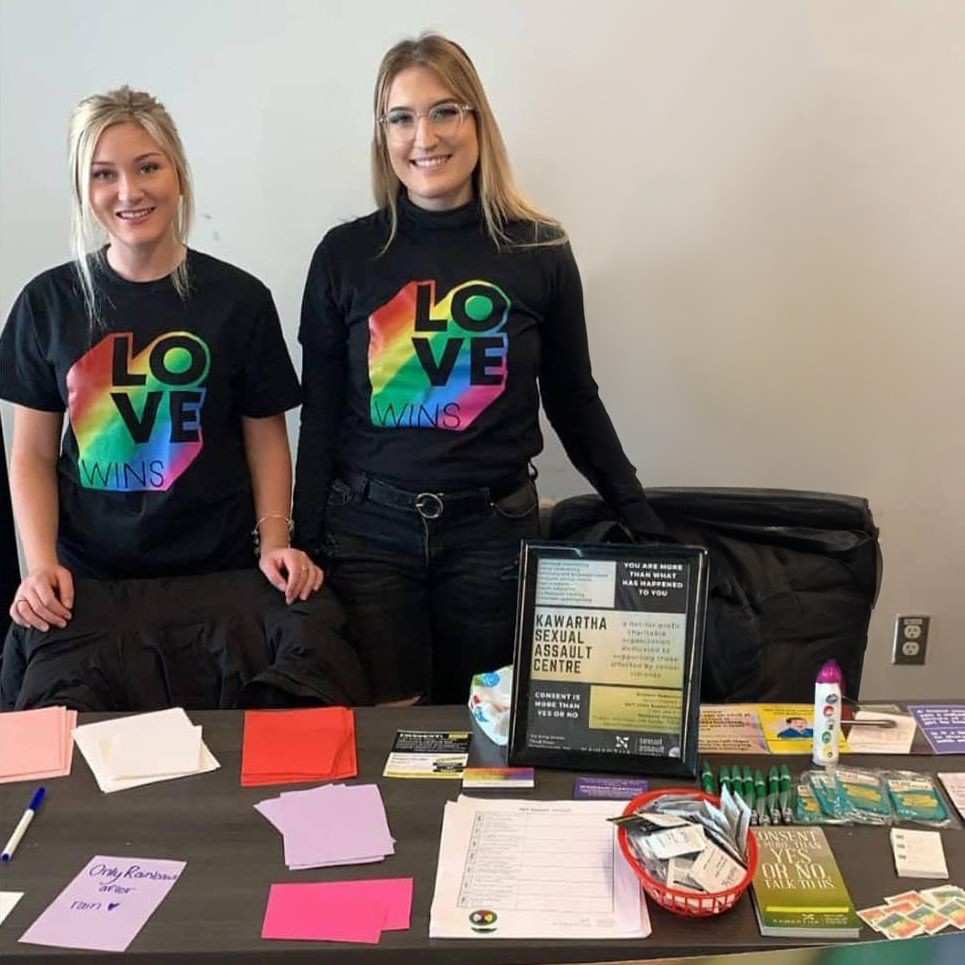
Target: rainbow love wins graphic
137, 418
437, 365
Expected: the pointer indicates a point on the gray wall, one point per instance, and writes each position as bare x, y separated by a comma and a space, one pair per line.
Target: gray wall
766, 198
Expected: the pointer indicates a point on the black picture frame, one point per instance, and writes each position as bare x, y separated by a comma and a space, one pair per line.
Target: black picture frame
609, 647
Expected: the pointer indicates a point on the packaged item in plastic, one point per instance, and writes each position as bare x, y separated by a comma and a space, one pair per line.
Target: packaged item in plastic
916, 798
807, 810
866, 794
830, 795
490, 701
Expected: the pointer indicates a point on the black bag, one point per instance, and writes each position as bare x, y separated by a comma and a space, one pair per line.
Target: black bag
792, 582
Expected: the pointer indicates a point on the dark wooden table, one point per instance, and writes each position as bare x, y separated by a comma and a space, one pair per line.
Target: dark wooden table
214, 913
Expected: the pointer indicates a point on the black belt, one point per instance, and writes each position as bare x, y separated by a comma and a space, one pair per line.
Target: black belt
432, 505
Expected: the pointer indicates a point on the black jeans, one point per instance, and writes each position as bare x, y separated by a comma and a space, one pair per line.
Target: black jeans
430, 602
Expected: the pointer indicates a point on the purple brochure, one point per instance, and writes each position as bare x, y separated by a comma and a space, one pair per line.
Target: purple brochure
943, 726
106, 905
608, 788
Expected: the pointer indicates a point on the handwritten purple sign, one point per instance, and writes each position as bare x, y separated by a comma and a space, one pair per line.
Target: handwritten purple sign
106, 905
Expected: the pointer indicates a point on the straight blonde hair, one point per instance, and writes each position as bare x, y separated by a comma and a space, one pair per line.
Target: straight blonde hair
90, 119
501, 201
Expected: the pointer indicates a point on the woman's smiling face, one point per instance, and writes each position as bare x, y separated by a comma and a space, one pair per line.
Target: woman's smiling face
434, 163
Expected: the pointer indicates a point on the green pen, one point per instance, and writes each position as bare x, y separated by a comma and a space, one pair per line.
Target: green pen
760, 799
706, 778
747, 781
787, 815
772, 792
723, 780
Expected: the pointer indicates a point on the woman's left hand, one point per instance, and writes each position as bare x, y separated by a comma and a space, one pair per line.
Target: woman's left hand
292, 572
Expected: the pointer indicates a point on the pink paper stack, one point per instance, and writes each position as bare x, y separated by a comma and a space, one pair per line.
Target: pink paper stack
36, 744
338, 911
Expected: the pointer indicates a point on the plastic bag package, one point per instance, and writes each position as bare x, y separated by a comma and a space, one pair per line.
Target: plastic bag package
807, 810
915, 798
867, 795
830, 795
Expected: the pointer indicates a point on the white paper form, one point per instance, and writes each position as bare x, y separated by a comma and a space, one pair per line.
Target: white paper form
534, 869
883, 740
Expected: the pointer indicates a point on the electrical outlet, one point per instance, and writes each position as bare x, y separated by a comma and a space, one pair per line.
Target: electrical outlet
911, 638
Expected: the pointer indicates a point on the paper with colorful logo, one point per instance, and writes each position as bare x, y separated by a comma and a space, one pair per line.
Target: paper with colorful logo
731, 729
789, 728
106, 905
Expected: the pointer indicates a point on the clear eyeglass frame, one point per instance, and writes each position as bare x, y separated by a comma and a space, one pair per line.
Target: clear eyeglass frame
445, 119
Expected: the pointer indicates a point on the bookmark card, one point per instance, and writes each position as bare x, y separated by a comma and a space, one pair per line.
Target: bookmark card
160, 735
36, 744
106, 905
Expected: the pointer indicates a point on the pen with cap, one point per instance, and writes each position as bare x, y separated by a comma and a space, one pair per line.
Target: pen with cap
760, 799
706, 778
723, 780
784, 798
21, 829
747, 783
773, 790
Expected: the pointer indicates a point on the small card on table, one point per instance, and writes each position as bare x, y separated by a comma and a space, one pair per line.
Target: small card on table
106, 905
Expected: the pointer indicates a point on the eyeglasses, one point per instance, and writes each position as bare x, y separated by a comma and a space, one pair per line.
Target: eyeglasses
445, 120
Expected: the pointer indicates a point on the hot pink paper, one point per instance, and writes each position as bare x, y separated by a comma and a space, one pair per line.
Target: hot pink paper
338, 911
106, 905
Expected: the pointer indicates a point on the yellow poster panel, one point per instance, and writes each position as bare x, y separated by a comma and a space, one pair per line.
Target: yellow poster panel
633, 708
609, 647
789, 728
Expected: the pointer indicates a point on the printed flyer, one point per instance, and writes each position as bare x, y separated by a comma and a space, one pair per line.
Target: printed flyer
607, 659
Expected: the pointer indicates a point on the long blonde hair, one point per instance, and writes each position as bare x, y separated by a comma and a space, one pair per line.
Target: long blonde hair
501, 201
92, 116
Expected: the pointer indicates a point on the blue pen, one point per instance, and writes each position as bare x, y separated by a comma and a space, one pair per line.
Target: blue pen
21, 829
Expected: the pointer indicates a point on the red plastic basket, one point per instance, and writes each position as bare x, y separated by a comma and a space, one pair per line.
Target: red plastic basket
673, 899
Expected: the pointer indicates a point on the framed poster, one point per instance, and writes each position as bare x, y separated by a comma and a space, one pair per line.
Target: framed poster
609, 643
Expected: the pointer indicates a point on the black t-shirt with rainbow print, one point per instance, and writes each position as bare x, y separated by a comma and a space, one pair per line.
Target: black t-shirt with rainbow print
424, 364
152, 476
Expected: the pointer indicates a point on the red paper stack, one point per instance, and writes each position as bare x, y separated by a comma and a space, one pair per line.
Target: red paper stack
295, 746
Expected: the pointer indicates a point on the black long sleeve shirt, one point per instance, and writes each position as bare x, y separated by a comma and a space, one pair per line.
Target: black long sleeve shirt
423, 365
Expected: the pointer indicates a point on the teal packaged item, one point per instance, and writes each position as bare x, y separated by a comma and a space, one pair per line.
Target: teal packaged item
915, 798
866, 794
830, 795
806, 807
807, 810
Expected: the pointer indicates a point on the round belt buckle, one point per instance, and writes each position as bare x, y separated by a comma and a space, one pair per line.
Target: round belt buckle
429, 505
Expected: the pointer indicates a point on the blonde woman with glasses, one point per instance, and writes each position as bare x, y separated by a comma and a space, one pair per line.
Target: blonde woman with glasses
171, 368
431, 329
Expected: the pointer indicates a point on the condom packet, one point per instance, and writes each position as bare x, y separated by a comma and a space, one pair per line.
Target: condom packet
866, 793
916, 798
830, 795
807, 810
